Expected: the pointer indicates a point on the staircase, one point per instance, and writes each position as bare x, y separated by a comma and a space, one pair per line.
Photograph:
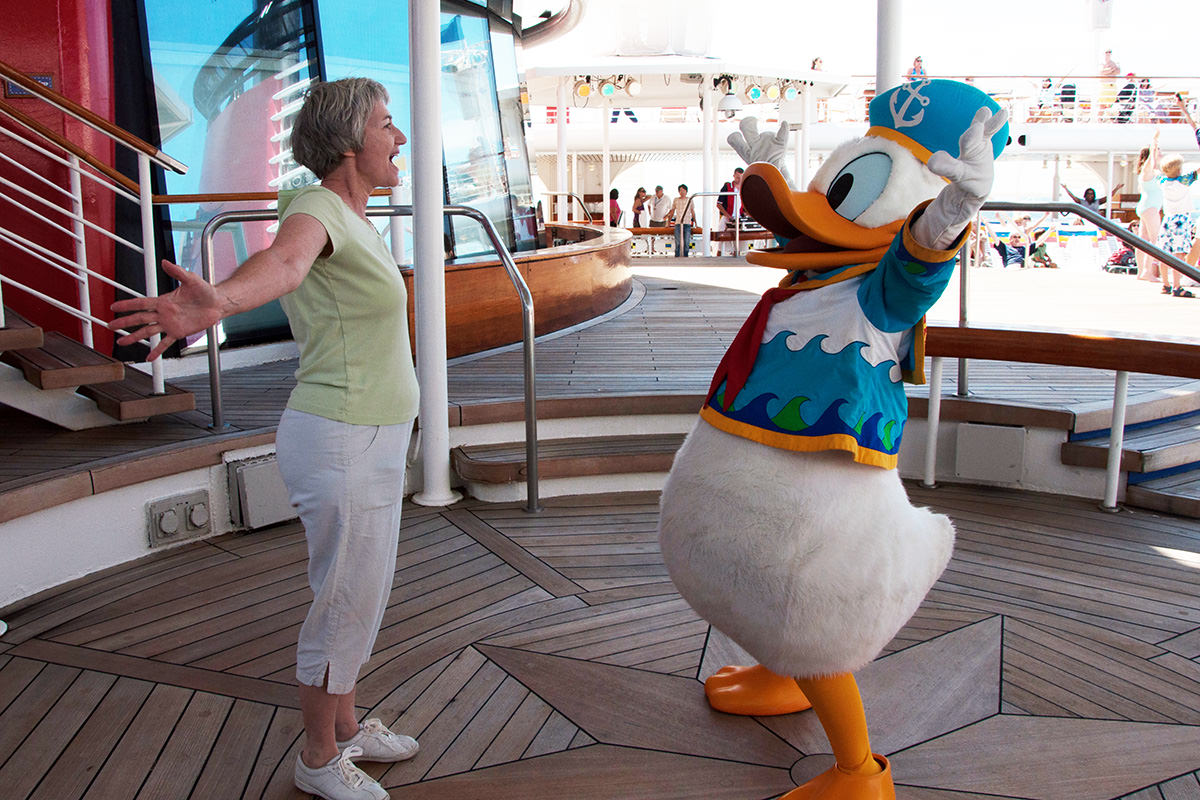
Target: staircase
1161, 456
590, 445
55, 378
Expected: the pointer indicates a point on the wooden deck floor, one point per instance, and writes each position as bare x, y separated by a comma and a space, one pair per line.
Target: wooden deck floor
542, 656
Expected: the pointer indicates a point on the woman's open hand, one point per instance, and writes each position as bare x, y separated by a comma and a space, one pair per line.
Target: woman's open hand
190, 308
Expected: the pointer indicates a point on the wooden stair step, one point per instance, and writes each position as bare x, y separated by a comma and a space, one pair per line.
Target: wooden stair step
572, 457
61, 362
19, 333
1170, 443
133, 397
1177, 494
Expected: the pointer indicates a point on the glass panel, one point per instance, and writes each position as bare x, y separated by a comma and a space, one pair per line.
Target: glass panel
471, 140
512, 128
380, 53
228, 76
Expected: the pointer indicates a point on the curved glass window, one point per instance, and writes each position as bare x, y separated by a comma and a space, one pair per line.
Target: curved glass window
230, 76
471, 142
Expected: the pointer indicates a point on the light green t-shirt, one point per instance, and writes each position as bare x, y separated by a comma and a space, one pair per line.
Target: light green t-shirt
349, 318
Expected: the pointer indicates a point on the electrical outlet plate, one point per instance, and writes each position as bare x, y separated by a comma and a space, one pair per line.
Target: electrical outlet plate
179, 518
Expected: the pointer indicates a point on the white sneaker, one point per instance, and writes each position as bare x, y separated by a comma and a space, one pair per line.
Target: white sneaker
377, 743
339, 779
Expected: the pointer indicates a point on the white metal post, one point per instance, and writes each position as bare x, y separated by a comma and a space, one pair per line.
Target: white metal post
888, 70
711, 97
802, 148
149, 262
1116, 441
81, 262
1108, 206
560, 128
932, 419
429, 256
605, 165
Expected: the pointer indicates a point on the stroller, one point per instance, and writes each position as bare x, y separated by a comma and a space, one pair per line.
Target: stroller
1122, 261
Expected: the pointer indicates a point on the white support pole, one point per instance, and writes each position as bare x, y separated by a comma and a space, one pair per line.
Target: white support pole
149, 263
85, 294
802, 149
797, 169
560, 163
429, 257
1116, 441
701, 208
605, 165
1055, 191
888, 36
1108, 206
932, 419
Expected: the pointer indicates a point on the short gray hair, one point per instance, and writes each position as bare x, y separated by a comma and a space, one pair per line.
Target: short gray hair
333, 120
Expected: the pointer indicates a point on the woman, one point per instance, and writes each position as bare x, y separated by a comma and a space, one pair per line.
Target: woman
1149, 208
614, 209
918, 70
681, 219
1089, 199
342, 440
1178, 230
638, 212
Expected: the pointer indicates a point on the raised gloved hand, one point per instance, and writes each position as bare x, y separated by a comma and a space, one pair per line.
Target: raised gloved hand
753, 146
970, 177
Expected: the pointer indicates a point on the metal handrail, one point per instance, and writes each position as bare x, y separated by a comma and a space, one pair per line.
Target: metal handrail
510, 266
582, 204
1102, 222
1116, 438
737, 233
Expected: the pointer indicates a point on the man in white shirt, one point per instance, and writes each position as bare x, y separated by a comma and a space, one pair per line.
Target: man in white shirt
660, 208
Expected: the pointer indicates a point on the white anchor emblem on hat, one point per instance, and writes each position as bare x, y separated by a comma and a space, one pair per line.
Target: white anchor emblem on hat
913, 90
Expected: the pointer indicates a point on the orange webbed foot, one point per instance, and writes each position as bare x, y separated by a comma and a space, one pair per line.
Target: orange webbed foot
754, 691
838, 784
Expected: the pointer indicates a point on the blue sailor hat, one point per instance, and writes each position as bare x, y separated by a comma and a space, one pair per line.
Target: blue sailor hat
928, 115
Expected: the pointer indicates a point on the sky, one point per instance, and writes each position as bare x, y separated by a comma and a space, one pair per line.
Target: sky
1016, 37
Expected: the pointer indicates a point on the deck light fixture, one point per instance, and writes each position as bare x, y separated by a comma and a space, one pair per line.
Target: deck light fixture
729, 104
772, 91
790, 92
633, 87
607, 88
754, 92
583, 88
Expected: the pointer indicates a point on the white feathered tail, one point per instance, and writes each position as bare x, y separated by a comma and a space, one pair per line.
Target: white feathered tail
809, 561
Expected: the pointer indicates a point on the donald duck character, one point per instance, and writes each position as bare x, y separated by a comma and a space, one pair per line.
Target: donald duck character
784, 522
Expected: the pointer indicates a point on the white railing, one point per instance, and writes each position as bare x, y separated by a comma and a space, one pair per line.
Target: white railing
67, 216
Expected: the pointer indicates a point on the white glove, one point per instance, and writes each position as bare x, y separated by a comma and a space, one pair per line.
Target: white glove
970, 177
753, 146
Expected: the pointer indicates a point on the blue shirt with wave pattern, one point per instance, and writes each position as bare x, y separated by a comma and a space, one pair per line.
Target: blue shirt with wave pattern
810, 393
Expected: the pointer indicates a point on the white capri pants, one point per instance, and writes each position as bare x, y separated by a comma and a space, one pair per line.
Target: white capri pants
347, 483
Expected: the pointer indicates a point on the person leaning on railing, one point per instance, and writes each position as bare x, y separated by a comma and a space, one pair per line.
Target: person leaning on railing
342, 441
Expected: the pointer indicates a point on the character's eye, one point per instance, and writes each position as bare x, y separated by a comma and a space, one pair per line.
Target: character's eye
859, 184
